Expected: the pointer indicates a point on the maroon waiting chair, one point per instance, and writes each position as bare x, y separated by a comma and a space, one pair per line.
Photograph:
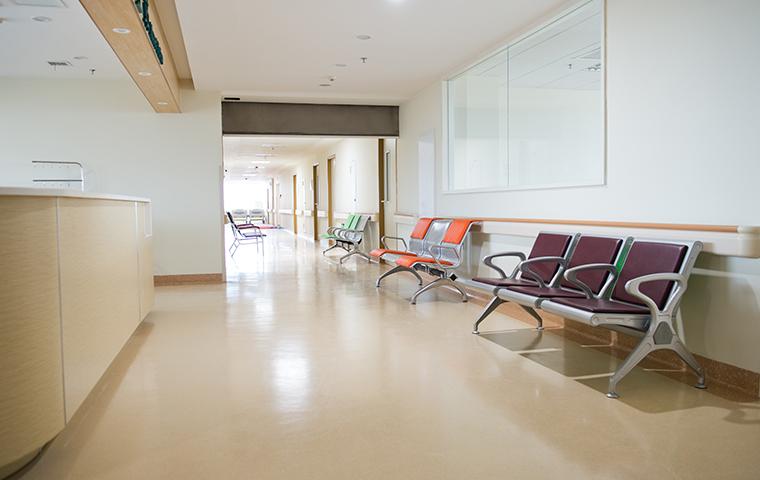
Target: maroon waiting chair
644, 301
556, 247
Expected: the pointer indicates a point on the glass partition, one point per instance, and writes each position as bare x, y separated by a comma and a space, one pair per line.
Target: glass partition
532, 115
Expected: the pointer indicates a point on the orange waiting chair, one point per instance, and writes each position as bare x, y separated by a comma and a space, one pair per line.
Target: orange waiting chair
415, 247
442, 258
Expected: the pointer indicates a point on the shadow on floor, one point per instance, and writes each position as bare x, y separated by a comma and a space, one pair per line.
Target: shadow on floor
647, 388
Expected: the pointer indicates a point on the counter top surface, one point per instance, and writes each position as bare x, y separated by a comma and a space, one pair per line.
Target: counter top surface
50, 192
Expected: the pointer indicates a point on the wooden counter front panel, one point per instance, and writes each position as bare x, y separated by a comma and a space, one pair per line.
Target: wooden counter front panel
31, 387
99, 284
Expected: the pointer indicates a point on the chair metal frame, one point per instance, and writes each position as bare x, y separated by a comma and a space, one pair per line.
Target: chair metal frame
240, 237
415, 247
656, 329
447, 257
352, 239
518, 273
432, 237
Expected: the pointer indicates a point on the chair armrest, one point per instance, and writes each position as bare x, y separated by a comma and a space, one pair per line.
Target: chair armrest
488, 261
528, 272
385, 245
571, 275
633, 287
437, 258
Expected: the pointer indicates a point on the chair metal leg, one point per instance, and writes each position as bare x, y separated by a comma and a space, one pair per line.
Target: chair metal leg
435, 283
451, 283
535, 315
645, 346
692, 362
661, 336
397, 269
440, 282
492, 305
335, 245
352, 253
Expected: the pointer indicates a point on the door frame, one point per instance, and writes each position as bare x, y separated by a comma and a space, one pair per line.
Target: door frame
315, 194
330, 167
295, 203
381, 188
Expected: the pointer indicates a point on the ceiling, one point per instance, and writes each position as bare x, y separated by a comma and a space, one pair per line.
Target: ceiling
261, 157
285, 50
27, 45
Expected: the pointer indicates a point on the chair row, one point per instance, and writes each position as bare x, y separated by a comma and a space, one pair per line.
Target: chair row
630, 285
348, 236
435, 247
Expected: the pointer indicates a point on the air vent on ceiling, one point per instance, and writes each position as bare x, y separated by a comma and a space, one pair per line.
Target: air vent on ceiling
595, 54
59, 63
40, 3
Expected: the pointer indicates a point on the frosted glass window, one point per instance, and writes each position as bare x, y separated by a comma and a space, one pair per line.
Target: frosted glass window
532, 115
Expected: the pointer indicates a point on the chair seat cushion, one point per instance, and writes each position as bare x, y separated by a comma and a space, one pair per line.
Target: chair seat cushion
409, 260
602, 306
379, 252
547, 292
504, 282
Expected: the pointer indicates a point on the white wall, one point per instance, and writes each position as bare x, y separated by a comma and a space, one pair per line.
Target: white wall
126, 148
683, 147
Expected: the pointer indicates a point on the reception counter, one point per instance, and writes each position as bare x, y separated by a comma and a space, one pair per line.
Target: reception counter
76, 278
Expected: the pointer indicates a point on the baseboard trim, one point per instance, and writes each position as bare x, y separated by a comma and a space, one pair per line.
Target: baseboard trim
187, 279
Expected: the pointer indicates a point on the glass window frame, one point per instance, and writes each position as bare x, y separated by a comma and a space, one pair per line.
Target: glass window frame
598, 182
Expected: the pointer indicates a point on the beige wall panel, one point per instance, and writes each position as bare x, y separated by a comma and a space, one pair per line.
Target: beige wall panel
99, 289
31, 388
145, 245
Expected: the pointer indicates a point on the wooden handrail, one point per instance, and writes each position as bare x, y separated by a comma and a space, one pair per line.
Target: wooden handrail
601, 223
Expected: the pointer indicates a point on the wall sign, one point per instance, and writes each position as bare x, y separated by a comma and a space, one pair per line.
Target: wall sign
143, 10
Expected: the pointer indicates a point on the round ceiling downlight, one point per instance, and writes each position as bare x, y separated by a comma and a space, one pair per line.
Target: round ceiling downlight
121, 30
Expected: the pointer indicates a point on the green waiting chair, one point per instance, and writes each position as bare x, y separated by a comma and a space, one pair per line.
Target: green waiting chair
348, 236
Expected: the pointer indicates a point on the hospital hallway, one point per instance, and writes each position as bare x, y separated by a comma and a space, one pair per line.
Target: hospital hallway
300, 368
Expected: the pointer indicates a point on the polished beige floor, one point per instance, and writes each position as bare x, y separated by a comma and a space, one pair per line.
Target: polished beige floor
301, 369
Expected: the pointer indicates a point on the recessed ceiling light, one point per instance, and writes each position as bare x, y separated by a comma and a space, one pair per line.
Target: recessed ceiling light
121, 30
261, 162
363, 37
144, 74
163, 103
325, 85
42, 19
265, 155
341, 65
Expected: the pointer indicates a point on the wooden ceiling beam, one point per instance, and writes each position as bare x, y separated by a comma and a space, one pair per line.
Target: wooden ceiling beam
158, 82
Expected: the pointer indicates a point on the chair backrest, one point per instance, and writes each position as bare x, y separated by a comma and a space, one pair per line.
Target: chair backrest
435, 234
361, 223
350, 221
550, 245
455, 235
595, 249
417, 237
655, 256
